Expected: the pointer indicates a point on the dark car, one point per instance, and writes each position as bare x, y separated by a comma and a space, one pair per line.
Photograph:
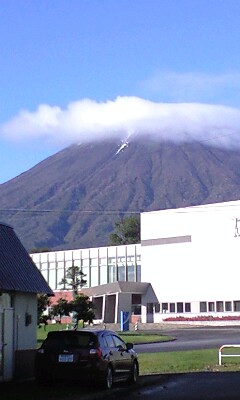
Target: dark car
99, 355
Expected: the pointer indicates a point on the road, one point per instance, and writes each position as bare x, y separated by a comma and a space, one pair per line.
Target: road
195, 386
193, 339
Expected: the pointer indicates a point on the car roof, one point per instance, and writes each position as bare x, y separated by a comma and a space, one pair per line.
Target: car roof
79, 331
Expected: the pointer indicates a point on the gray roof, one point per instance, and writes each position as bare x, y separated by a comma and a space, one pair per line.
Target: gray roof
118, 287
17, 270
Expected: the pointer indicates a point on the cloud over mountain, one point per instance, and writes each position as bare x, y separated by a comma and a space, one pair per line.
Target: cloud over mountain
87, 120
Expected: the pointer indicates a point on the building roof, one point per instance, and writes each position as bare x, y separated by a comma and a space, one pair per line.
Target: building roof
17, 270
118, 287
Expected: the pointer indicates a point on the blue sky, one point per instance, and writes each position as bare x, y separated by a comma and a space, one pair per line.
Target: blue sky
71, 70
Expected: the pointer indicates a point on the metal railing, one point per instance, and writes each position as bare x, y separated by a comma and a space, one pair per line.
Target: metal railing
220, 355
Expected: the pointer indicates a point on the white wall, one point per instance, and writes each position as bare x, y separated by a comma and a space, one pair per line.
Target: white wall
207, 268
25, 336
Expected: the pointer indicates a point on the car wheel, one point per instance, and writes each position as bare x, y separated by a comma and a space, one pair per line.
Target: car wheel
108, 380
134, 373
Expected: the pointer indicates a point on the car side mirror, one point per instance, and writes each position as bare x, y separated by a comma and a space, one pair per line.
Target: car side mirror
129, 346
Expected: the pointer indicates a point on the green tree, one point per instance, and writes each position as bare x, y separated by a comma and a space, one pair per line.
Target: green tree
127, 231
74, 279
60, 308
82, 308
43, 302
39, 250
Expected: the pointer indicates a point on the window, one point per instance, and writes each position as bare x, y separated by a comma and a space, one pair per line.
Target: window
164, 307
131, 273
136, 309
136, 298
211, 306
136, 304
109, 340
112, 269
220, 306
236, 305
187, 307
119, 343
103, 270
172, 307
203, 306
131, 268
94, 276
179, 307
228, 306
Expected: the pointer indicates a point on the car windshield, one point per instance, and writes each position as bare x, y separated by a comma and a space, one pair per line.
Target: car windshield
70, 340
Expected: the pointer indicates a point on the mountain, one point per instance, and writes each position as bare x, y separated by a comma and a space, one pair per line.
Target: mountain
73, 198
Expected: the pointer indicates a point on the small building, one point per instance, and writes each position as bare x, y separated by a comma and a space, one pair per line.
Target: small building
20, 282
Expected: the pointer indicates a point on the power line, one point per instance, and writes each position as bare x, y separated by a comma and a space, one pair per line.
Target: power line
113, 212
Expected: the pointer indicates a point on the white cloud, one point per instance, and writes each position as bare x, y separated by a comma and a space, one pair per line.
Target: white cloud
87, 120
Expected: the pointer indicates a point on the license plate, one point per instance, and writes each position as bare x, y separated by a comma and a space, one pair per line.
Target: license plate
65, 358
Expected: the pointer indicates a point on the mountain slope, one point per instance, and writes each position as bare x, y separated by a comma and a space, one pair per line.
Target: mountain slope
89, 185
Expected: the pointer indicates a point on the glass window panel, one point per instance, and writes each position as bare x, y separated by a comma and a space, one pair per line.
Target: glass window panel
44, 265
219, 306
103, 261
203, 306
136, 309
228, 306
131, 273
172, 307
121, 260
94, 276
68, 264
93, 262
211, 306
45, 274
187, 307
77, 263
60, 276
179, 307
85, 270
112, 273
121, 273
103, 274
136, 298
164, 307
52, 279
138, 273
85, 262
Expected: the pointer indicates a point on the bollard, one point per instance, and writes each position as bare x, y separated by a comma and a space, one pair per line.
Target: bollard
136, 326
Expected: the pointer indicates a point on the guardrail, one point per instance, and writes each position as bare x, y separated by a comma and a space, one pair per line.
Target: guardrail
220, 355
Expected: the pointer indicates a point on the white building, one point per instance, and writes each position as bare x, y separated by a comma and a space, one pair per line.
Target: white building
187, 264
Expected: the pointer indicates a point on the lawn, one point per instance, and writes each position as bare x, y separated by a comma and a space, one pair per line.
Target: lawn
131, 337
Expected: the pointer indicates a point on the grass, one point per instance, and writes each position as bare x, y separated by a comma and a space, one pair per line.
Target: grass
131, 337
186, 361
